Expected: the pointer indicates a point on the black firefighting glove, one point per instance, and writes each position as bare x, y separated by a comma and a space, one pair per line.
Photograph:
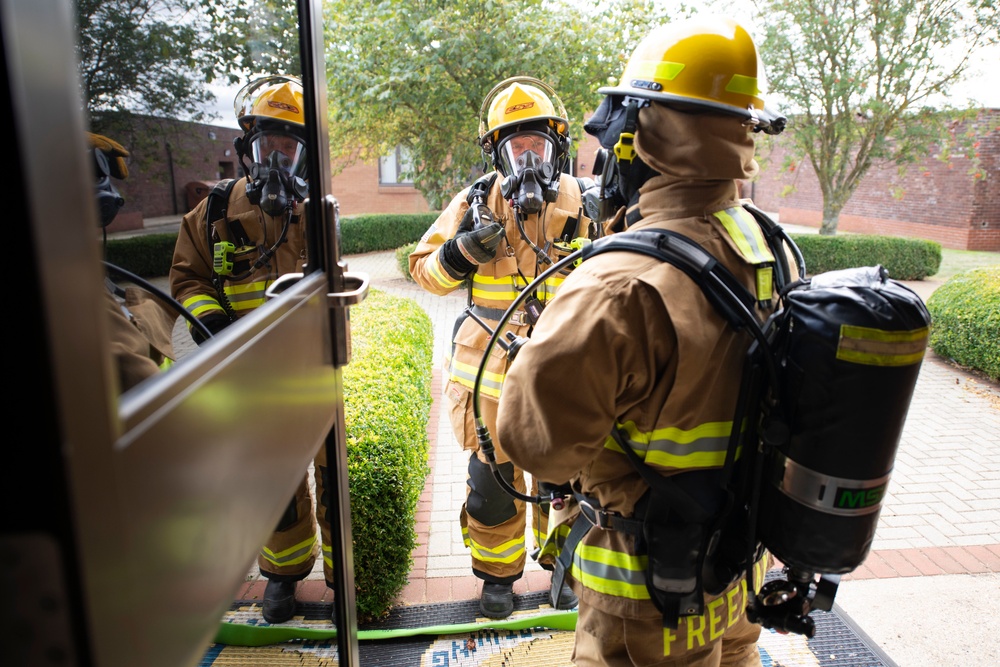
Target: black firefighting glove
470, 247
214, 322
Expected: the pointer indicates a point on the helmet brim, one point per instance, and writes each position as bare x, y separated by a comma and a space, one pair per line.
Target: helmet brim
765, 119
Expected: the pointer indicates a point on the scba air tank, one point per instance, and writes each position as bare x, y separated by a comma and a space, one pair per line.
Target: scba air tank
850, 356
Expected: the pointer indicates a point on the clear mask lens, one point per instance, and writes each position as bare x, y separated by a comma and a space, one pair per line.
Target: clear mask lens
526, 150
287, 150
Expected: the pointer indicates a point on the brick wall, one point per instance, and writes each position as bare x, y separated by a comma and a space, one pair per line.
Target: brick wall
166, 155
357, 190
932, 199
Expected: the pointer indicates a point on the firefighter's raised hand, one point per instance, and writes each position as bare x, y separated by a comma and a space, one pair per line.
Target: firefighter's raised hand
480, 245
471, 246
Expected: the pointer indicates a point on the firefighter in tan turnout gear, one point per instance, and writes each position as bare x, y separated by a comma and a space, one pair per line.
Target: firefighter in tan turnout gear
493, 239
141, 325
221, 268
632, 346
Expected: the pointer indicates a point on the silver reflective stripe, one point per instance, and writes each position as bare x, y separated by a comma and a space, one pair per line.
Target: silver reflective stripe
828, 494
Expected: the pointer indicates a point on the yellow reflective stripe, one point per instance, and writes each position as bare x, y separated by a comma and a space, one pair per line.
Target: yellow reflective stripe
328, 556
494, 289
465, 375
201, 304
746, 234
508, 552
247, 296
438, 274
743, 85
610, 572
655, 70
876, 347
539, 535
554, 541
293, 555
703, 446
166, 363
505, 289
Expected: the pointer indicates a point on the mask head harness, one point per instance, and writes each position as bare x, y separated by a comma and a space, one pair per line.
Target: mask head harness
272, 149
669, 66
526, 139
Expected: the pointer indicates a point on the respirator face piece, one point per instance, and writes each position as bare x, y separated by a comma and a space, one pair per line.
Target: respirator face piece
277, 173
527, 159
109, 200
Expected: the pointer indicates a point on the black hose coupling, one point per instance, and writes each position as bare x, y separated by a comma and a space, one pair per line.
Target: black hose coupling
485, 441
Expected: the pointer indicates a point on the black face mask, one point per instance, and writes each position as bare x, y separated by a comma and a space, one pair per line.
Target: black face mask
109, 200
529, 187
272, 187
616, 189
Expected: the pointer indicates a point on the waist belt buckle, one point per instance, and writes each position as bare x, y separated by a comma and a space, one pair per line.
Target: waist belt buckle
518, 318
597, 516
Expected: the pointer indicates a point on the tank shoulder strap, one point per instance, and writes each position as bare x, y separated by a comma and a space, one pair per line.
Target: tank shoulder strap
218, 200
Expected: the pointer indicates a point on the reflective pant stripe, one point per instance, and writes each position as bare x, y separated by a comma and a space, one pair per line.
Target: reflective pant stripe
294, 555
508, 552
465, 375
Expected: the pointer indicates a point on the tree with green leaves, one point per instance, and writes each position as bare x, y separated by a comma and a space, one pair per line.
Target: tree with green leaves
860, 79
415, 73
157, 57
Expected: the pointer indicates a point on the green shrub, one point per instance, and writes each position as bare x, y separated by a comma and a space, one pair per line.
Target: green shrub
403, 259
903, 258
150, 255
387, 402
147, 255
965, 320
368, 233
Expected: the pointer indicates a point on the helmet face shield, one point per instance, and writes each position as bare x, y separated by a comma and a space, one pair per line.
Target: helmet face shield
527, 150
281, 151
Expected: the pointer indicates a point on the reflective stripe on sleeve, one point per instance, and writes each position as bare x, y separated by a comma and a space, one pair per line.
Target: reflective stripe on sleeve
701, 447
202, 303
247, 296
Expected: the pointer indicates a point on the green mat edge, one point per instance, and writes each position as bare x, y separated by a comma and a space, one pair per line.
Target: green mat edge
241, 634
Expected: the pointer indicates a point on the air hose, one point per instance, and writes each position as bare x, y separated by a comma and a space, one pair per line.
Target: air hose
482, 432
169, 300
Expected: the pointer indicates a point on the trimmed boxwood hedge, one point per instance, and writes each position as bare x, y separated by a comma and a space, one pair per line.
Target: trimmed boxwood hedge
150, 255
965, 320
903, 258
387, 402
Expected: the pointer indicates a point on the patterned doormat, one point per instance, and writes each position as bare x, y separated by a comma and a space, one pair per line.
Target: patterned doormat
456, 635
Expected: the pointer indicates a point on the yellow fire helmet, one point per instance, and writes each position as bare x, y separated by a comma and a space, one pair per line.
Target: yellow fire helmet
271, 112
274, 97
709, 62
516, 101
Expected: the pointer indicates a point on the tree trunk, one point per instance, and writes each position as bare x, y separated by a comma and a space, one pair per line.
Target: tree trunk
831, 216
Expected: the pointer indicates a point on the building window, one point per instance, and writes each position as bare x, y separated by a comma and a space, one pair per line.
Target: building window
393, 168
